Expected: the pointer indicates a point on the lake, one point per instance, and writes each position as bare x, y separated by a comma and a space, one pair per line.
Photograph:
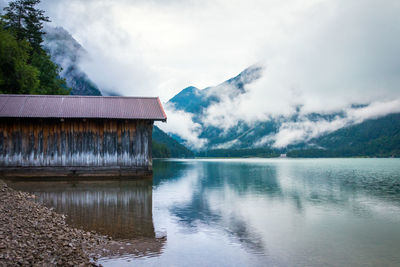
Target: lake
242, 212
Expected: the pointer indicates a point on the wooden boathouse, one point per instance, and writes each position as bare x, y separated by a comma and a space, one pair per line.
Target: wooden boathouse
77, 135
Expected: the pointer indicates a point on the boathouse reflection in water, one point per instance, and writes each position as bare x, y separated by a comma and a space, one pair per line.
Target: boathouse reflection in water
118, 208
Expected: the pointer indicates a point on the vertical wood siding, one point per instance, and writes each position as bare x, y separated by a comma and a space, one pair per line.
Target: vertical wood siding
75, 142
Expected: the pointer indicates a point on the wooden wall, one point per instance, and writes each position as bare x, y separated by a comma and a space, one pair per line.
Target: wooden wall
75, 142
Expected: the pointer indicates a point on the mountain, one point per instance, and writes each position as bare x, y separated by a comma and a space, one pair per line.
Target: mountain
66, 52
372, 138
166, 147
194, 100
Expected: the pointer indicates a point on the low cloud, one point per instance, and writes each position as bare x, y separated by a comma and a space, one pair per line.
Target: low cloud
305, 129
337, 53
181, 123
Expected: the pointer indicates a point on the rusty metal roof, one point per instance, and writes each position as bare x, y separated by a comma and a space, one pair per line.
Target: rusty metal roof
61, 106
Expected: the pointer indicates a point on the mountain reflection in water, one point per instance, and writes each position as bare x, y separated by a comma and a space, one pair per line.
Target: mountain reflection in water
282, 212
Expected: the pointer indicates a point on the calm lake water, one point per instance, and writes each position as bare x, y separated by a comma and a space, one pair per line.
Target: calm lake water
247, 212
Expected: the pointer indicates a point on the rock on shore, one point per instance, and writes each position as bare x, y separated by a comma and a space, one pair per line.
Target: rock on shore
34, 235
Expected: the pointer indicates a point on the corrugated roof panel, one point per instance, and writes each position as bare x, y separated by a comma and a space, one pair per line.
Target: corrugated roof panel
139, 108
13, 106
69, 107
3, 101
126, 108
81, 107
95, 107
50, 107
33, 107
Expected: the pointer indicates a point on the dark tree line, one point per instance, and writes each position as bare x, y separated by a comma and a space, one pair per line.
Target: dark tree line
165, 146
25, 68
160, 150
240, 153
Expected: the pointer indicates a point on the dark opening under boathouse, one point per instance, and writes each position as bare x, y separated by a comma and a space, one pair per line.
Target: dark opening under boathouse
77, 135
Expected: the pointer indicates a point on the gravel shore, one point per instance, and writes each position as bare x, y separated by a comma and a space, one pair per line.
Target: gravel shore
34, 235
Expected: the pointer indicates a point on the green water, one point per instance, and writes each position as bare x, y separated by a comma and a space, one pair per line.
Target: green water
250, 212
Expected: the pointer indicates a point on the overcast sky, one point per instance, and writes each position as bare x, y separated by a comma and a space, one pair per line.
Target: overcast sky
328, 47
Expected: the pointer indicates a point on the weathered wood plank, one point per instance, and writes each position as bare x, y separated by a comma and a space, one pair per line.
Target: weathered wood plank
69, 142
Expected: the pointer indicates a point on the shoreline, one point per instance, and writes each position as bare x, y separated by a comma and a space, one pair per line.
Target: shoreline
33, 234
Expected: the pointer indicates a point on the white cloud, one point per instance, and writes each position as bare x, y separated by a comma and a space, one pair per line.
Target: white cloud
181, 123
160, 47
226, 144
306, 129
331, 54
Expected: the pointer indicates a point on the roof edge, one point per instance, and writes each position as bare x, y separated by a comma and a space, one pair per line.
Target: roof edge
162, 109
78, 96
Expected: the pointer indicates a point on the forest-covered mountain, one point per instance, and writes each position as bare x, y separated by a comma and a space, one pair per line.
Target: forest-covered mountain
376, 137
372, 138
166, 147
195, 101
